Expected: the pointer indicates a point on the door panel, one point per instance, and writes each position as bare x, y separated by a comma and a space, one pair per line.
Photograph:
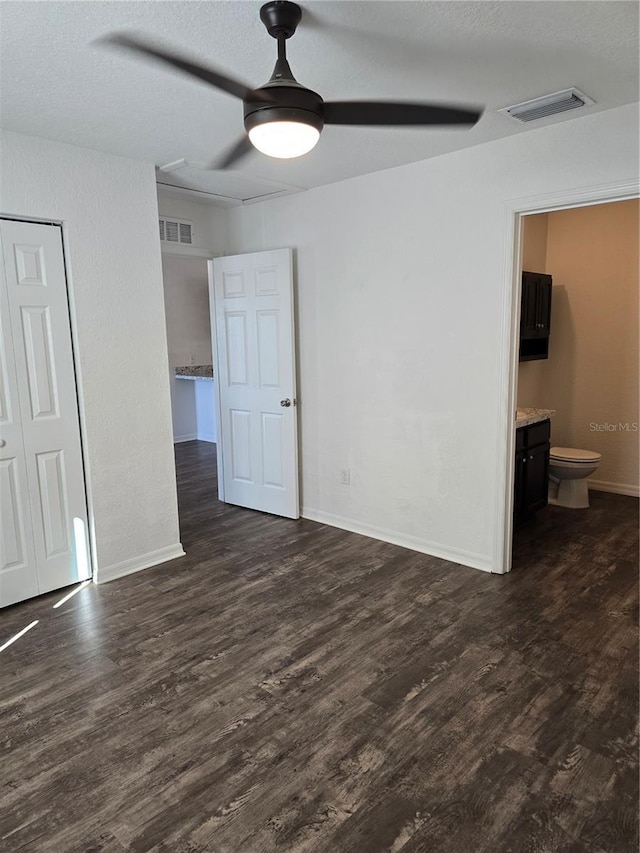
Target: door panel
252, 313
30, 266
237, 355
268, 345
44, 438
53, 501
233, 283
38, 344
12, 544
537, 478
266, 279
273, 467
544, 305
240, 434
528, 317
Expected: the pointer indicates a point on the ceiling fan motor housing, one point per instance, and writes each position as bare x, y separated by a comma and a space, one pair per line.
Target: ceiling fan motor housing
288, 100
281, 18
290, 103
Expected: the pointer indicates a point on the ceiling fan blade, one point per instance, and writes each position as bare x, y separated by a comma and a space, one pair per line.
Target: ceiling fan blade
233, 154
175, 60
396, 113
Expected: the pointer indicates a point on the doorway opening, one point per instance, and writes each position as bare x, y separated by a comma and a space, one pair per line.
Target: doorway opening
189, 342
192, 382
530, 249
231, 334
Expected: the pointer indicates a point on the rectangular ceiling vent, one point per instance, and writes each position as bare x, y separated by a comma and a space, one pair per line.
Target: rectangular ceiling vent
176, 231
548, 105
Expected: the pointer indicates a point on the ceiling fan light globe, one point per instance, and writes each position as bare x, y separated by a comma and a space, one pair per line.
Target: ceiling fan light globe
284, 139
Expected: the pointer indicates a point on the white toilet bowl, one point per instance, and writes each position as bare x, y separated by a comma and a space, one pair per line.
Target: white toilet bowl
568, 472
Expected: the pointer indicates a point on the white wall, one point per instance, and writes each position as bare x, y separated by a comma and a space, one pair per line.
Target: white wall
591, 375
109, 209
206, 426
400, 287
193, 406
209, 223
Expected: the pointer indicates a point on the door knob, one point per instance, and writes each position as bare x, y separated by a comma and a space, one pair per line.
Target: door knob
2, 442
285, 403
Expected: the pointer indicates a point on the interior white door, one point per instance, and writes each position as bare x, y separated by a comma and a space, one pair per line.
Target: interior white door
252, 314
43, 533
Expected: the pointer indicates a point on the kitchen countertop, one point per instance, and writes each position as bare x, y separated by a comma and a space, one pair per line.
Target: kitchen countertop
528, 416
195, 371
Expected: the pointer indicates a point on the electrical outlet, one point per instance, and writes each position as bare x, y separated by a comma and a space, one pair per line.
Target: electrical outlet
345, 476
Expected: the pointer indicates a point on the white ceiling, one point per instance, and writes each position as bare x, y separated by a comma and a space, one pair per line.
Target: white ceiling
56, 84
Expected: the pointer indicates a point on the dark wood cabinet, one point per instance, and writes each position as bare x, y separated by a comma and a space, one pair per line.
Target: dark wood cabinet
535, 316
531, 480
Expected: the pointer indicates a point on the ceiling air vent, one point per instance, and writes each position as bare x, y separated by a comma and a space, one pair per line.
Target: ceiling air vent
176, 231
548, 105
185, 232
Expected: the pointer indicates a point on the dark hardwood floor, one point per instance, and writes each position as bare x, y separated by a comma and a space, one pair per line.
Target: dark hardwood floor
288, 686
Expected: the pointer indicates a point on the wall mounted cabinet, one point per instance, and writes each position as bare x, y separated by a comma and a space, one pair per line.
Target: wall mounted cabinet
535, 316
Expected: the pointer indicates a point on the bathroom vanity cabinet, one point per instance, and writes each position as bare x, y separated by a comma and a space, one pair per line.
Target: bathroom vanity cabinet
535, 316
531, 485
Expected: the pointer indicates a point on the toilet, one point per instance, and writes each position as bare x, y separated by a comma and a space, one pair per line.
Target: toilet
568, 472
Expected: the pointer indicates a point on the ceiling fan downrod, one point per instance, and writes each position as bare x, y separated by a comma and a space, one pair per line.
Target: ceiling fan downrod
281, 18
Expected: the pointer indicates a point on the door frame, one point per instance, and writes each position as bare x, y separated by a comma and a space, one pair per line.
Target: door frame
77, 378
216, 378
515, 211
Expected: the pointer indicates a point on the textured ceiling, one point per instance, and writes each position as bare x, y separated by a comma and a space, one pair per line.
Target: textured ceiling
56, 84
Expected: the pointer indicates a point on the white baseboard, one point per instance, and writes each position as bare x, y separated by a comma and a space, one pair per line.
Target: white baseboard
137, 564
178, 439
414, 543
615, 488
206, 436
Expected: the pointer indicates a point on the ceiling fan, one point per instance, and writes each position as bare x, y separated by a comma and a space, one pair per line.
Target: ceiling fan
283, 118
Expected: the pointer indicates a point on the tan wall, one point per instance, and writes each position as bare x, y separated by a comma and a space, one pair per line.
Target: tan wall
534, 242
533, 376
591, 376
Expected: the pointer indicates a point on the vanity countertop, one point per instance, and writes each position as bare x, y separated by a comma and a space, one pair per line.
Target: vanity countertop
528, 416
195, 371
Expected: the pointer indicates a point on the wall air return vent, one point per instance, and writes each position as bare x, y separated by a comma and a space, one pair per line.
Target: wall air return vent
548, 105
176, 231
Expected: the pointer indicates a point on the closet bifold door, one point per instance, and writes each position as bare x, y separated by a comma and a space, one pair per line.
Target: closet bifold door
43, 533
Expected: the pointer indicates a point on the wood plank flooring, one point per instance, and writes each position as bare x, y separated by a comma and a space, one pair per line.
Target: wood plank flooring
289, 686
